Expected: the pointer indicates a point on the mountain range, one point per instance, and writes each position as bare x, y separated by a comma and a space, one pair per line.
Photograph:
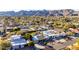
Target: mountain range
63, 12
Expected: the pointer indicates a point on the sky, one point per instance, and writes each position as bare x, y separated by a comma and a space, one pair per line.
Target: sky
17, 5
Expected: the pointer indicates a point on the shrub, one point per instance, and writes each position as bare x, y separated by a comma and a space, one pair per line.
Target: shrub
31, 43
5, 44
27, 36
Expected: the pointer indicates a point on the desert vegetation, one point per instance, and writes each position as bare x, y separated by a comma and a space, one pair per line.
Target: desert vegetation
28, 26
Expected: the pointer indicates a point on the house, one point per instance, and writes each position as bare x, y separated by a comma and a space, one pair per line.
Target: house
9, 28
50, 33
74, 30
44, 27
36, 38
17, 41
62, 45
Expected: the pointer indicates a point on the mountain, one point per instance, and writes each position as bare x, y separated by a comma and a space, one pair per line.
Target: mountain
64, 12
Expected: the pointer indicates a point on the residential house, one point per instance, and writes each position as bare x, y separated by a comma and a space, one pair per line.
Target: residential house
17, 41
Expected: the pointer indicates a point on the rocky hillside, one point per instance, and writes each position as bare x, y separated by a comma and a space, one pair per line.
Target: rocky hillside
64, 12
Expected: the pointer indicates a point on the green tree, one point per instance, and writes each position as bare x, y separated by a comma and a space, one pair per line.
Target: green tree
27, 36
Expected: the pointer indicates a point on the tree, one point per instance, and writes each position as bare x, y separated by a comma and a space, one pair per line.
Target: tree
27, 36
69, 33
31, 43
16, 29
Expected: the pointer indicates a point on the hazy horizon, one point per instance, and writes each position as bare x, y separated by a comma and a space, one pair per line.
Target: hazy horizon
35, 10
17, 5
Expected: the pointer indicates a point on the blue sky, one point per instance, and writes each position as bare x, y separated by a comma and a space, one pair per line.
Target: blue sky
9, 5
